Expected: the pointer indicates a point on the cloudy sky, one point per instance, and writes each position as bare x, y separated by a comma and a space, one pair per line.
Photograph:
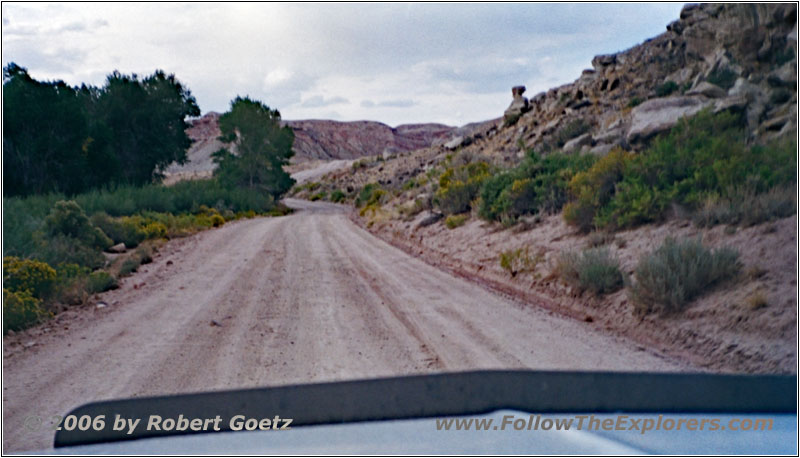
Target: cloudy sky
396, 63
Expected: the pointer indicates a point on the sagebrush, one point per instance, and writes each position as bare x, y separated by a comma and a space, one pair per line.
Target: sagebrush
677, 272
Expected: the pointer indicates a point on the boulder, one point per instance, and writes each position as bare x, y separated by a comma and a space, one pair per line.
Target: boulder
576, 143
775, 123
519, 104
427, 218
602, 149
680, 77
604, 60
749, 90
578, 104
784, 76
707, 89
659, 115
676, 27
608, 136
733, 103
118, 248
756, 99
454, 143
389, 152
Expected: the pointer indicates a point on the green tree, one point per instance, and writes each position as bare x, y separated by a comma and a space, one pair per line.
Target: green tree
257, 148
144, 123
57, 138
44, 135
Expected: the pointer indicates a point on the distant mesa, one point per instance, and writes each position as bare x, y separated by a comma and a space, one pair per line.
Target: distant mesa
321, 139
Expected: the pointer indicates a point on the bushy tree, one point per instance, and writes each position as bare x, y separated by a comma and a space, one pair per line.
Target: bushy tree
146, 119
58, 138
44, 135
257, 148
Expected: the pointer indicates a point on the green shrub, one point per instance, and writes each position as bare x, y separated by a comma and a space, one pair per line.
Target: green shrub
634, 101
594, 188
182, 197
371, 193
280, 209
156, 230
458, 187
492, 204
21, 310
132, 261
410, 184
746, 208
322, 195
129, 266
337, 195
700, 156
511, 120
101, 281
144, 254
519, 260
33, 276
571, 130
21, 219
62, 249
538, 184
454, 221
599, 238
456, 198
71, 284
677, 272
723, 77
217, 220
666, 89
68, 219
593, 270
66, 272
122, 230
24, 217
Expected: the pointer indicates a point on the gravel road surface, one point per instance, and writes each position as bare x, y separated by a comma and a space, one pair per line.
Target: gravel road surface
272, 301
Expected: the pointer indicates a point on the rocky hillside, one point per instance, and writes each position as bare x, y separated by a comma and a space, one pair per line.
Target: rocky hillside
728, 57
322, 140
483, 208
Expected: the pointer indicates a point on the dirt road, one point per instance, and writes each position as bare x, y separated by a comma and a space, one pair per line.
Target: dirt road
323, 168
270, 301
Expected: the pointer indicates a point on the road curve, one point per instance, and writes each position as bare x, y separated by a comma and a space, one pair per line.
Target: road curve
321, 170
271, 301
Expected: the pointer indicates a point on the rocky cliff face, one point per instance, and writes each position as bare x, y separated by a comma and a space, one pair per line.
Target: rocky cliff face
722, 56
318, 139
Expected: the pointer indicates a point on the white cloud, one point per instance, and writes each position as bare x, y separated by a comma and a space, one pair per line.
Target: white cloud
276, 78
395, 63
318, 101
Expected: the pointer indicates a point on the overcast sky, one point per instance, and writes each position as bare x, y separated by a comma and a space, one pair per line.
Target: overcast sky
395, 63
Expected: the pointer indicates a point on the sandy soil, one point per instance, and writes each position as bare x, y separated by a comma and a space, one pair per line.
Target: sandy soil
272, 301
721, 330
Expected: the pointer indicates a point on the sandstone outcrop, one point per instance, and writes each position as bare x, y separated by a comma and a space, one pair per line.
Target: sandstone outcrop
739, 57
519, 104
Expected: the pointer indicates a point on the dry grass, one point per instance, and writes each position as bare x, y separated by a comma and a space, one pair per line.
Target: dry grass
757, 300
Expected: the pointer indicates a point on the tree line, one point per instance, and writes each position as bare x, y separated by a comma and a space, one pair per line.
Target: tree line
58, 138
63, 139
